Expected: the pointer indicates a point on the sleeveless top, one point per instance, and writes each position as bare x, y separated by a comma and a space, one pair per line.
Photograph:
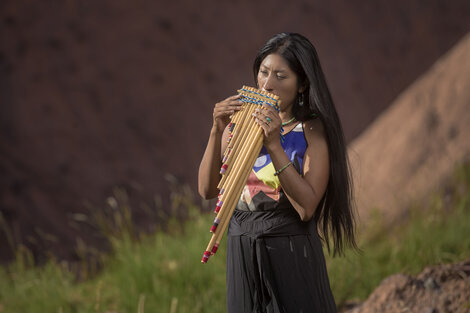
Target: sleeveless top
263, 191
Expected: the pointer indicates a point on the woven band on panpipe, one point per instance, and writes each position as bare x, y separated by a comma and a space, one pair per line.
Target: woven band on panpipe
244, 144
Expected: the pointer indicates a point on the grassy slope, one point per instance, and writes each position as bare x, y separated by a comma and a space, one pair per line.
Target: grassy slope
162, 273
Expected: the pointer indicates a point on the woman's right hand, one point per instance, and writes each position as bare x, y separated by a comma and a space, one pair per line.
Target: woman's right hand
224, 109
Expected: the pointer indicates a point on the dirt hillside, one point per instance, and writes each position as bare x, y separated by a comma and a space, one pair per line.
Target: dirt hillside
99, 94
414, 145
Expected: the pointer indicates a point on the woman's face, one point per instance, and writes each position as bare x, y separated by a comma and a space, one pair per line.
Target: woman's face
276, 77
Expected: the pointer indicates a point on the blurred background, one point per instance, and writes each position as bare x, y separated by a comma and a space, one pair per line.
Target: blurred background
99, 96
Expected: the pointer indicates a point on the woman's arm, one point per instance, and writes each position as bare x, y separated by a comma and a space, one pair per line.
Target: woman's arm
209, 169
304, 192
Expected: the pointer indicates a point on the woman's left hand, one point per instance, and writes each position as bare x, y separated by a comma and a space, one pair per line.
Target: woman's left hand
269, 120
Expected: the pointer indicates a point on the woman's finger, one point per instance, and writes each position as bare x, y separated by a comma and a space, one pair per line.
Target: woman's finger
233, 97
263, 125
270, 111
234, 105
275, 119
265, 114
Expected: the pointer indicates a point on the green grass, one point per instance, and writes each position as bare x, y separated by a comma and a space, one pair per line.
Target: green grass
158, 272
163, 273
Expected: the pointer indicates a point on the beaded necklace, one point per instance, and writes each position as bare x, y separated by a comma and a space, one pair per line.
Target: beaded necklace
293, 119
288, 122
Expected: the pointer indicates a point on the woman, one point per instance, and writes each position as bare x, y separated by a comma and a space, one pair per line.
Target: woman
275, 261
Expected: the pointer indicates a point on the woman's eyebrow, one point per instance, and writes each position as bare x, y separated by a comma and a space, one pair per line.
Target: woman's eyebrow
275, 71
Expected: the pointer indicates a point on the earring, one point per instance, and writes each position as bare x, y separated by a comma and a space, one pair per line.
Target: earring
301, 99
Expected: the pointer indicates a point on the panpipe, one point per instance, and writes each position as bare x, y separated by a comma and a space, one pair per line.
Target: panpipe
244, 145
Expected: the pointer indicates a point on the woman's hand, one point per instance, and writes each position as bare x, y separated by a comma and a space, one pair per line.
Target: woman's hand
223, 110
269, 120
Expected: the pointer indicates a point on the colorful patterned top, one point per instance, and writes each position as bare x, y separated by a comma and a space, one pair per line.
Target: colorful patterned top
263, 190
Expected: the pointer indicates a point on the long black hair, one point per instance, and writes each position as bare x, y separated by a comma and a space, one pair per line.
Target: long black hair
334, 214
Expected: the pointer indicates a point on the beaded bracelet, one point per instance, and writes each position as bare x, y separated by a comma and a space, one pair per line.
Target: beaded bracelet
282, 168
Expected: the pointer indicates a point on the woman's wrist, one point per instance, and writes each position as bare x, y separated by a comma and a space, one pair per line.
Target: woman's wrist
215, 130
274, 147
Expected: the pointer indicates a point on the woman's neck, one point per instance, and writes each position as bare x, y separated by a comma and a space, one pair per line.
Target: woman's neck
286, 116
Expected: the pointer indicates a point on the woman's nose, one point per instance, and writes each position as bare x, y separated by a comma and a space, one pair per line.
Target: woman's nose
267, 84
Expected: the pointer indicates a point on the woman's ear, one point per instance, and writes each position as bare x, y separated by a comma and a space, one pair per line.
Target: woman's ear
303, 86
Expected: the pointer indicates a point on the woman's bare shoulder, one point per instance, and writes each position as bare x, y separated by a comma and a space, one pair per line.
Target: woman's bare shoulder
314, 130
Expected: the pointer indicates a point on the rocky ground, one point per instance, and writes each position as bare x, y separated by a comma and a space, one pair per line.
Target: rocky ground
437, 289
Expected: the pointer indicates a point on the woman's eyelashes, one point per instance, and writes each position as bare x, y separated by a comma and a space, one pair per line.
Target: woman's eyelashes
279, 76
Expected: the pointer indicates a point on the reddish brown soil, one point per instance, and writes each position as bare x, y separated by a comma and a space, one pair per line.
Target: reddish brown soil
99, 94
438, 289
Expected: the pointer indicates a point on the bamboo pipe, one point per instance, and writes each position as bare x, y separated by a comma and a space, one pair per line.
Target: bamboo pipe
239, 140
225, 184
245, 144
228, 165
239, 187
237, 119
220, 232
233, 161
239, 167
255, 143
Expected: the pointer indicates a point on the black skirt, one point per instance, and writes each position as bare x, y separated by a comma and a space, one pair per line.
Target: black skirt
275, 264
